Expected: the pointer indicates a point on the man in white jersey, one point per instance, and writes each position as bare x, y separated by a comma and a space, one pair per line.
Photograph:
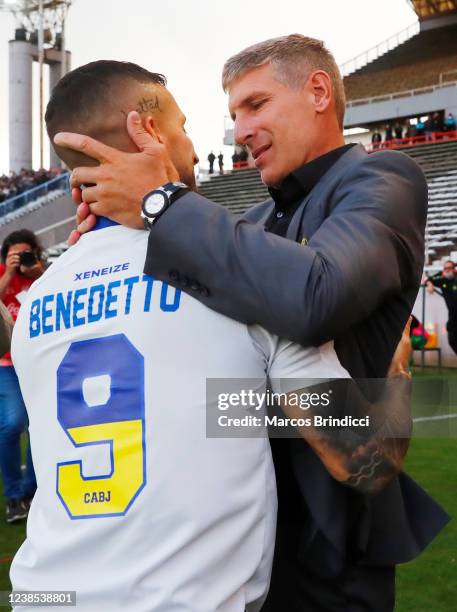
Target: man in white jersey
136, 509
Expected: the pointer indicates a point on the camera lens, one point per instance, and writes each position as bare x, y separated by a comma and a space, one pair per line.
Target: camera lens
28, 258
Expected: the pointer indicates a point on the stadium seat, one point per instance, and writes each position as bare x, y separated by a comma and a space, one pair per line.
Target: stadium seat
416, 63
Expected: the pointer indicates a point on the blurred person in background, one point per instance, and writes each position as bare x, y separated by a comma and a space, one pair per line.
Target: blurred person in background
244, 155
211, 159
437, 122
428, 128
420, 127
449, 123
21, 264
419, 335
376, 139
389, 134
17, 183
411, 131
446, 282
220, 161
398, 129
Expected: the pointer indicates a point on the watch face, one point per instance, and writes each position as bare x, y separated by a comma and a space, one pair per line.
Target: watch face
154, 204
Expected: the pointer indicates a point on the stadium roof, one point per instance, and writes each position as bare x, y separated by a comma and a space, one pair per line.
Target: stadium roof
427, 9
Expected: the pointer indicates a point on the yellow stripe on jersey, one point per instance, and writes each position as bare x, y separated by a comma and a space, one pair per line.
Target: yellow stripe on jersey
92, 496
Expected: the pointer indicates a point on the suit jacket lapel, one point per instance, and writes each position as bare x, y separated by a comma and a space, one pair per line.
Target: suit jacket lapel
295, 226
267, 210
299, 223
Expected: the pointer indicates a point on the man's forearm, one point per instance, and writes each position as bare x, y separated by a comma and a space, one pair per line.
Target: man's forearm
245, 271
308, 295
369, 460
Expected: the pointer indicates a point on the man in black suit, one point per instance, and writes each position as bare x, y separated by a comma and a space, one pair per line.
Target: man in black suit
304, 264
446, 282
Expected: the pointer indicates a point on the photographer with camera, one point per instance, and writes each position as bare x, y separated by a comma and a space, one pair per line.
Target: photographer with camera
21, 264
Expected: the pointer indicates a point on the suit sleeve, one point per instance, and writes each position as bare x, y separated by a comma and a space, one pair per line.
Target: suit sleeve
369, 247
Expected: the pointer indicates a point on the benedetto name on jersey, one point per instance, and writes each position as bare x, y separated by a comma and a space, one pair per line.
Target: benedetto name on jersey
55, 312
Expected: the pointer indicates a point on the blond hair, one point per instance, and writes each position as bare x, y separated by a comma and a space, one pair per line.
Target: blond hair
293, 58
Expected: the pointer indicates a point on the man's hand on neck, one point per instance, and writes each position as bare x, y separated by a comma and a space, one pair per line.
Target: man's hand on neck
120, 182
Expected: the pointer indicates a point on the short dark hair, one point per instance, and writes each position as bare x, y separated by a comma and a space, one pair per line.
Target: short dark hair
22, 235
449, 261
81, 90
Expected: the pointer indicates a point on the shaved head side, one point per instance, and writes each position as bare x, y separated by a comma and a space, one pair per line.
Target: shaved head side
95, 100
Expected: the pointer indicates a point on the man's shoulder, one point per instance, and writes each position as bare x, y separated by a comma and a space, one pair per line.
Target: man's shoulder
388, 160
389, 180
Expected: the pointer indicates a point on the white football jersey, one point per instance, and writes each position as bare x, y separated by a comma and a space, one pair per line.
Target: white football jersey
136, 508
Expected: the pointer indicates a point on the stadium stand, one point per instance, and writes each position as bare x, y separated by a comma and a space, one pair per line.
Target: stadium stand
32, 197
52, 216
426, 59
415, 80
238, 190
439, 163
242, 189
429, 9
17, 183
47, 210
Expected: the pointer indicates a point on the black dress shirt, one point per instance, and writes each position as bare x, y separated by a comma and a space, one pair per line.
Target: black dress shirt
296, 186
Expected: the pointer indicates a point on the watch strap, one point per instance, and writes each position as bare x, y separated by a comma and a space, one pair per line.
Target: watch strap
173, 192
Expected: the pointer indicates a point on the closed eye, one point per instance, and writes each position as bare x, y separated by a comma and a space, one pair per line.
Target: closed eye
256, 104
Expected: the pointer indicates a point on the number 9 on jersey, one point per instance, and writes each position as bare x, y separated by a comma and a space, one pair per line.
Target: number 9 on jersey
115, 420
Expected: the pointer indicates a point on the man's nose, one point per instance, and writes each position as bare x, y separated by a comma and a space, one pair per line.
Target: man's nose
243, 132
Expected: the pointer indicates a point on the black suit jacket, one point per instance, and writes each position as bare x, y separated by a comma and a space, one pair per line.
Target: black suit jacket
355, 280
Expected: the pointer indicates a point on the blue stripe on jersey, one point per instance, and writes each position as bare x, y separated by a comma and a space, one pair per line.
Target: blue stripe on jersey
103, 222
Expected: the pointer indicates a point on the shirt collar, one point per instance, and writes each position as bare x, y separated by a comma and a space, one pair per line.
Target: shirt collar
299, 183
103, 222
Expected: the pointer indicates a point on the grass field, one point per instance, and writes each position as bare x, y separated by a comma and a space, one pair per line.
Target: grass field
428, 584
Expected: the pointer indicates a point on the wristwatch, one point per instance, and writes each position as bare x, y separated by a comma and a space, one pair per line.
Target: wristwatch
156, 202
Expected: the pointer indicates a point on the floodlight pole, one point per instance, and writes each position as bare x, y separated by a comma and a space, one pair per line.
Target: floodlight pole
41, 62
63, 61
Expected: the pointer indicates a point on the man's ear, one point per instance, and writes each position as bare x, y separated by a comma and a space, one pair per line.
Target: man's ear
152, 128
321, 86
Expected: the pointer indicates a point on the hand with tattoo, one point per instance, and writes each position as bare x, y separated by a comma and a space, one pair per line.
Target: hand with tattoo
364, 458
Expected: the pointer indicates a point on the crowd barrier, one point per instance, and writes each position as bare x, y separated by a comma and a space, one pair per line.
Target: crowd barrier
12, 204
412, 141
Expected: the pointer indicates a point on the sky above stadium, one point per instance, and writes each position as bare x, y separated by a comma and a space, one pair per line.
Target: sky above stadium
189, 40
